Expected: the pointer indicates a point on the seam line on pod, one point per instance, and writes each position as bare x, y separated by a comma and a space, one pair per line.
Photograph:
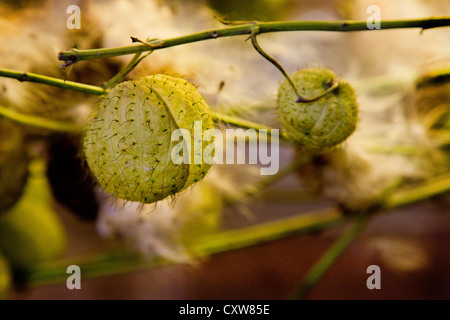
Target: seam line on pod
185, 139
141, 119
343, 115
166, 105
319, 119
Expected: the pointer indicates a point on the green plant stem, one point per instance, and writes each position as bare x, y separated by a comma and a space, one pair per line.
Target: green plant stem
120, 262
62, 126
261, 184
431, 187
52, 125
113, 263
75, 55
238, 121
329, 258
294, 165
266, 56
60, 83
122, 74
38, 122
125, 71
269, 58
254, 235
92, 266
243, 123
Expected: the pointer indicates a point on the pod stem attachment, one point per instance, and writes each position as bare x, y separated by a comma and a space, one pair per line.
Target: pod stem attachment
125, 71
333, 85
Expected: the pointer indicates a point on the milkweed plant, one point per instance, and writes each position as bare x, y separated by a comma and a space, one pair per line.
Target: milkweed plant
152, 118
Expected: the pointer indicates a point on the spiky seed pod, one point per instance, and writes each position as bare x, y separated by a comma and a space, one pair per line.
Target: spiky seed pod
13, 164
128, 144
322, 123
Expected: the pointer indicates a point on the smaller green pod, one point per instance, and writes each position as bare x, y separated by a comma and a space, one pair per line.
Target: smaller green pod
128, 145
322, 123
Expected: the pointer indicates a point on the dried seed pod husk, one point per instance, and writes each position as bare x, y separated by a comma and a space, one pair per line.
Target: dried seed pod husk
322, 123
128, 144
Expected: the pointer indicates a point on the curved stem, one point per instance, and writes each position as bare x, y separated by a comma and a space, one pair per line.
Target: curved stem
114, 263
333, 86
75, 55
262, 183
120, 262
63, 126
330, 257
300, 160
269, 231
39, 122
32, 77
243, 123
125, 71
128, 68
258, 48
429, 188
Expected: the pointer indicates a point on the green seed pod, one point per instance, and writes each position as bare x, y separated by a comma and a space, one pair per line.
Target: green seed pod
31, 231
5, 278
322, 123
128, 144
13, 164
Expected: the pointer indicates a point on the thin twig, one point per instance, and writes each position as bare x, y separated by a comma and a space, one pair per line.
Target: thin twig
258, 48
125, 71
329, 258
32, 77
434, 186
333, 85
75, 55
243, 123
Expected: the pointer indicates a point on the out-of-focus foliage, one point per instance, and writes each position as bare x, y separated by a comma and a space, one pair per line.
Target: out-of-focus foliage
31, 231
13, 164
5, 278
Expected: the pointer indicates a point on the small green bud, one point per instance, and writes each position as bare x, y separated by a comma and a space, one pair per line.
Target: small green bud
322, 123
